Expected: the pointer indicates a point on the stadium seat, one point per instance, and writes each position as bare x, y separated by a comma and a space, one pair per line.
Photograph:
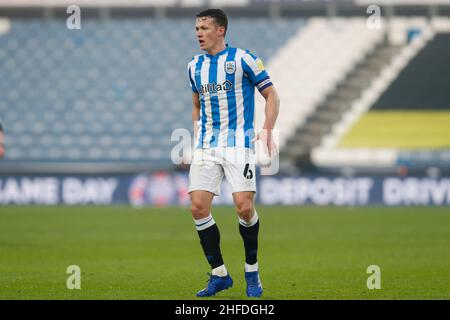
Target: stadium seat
112, 91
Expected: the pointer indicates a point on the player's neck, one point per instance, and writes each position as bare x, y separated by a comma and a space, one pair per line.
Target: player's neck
217, 48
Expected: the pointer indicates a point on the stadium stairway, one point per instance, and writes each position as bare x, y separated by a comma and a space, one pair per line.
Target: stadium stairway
308, 69
338, 151
320, 122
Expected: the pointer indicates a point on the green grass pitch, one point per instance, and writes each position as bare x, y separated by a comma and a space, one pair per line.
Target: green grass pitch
154, 253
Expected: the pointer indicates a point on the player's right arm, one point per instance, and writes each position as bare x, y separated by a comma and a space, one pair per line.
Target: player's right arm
195, 111
195, 98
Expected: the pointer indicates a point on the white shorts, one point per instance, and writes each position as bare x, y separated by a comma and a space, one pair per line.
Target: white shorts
210, 165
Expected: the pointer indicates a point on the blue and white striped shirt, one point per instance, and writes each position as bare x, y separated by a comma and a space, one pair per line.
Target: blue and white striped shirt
226, 85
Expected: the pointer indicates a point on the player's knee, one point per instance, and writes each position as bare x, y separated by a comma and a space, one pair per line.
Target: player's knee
245, 210
199, 210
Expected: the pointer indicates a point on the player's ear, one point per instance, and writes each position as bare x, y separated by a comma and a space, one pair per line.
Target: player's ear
221, 31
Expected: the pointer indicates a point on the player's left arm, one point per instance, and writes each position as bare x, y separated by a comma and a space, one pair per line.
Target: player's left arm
254, 69
272, 109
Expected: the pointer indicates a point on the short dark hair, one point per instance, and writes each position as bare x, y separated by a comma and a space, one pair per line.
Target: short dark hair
219, 16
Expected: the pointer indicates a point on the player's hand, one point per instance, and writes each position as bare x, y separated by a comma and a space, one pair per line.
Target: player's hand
266, 136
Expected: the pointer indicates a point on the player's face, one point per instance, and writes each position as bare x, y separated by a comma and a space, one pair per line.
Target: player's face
208, 33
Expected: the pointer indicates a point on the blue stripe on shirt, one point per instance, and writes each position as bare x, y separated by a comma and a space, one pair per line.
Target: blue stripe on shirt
214, 100
231, 99
248, 89
193, 87
249, 103
198, 81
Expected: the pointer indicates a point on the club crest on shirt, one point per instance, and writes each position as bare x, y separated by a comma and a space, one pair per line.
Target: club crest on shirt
230, 67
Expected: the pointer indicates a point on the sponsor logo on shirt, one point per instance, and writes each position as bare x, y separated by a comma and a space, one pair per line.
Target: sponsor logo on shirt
216, 87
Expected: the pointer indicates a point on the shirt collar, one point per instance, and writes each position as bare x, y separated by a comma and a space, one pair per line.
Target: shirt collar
219, 53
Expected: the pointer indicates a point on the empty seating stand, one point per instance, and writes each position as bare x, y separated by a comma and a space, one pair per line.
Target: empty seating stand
111, 92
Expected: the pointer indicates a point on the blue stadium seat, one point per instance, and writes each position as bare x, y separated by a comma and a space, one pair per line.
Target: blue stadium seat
112, 91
